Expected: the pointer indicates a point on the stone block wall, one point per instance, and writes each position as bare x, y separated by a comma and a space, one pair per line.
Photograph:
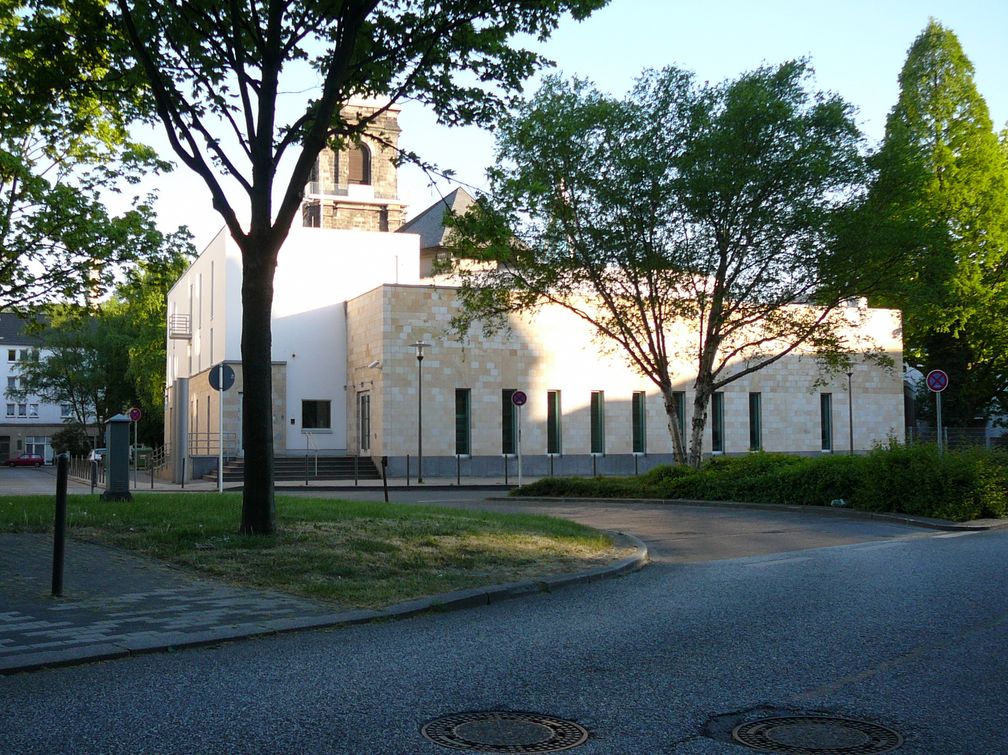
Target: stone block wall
555, 350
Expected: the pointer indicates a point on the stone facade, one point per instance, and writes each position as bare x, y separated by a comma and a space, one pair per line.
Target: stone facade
334, 201
556, 351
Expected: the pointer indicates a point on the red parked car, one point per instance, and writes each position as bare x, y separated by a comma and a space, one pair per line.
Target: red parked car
26, 460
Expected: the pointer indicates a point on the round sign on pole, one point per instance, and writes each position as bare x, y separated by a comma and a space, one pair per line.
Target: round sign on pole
134, 414
937, 381
518, 398
216, 377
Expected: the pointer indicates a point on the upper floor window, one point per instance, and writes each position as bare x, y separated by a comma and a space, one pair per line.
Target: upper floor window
359, 165
66, 410
11, 355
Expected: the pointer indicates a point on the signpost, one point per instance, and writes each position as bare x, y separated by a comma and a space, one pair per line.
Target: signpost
134, 415
222, 377
518, 398
937, 381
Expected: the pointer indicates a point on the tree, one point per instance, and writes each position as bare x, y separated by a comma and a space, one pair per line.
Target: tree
82, 362
64, 149
140, 305
685, 207
103, 359
938, 210
214, 66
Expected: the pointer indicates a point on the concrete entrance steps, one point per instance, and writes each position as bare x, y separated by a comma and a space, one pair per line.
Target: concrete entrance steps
292, 468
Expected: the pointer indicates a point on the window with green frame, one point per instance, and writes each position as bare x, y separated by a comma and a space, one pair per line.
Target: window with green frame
638, 421
717, 423
509, 422
826, 420
755, 422
463, 421
680, 408
553, 415
598, 422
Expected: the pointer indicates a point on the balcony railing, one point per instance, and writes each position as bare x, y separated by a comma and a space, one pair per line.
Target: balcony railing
179, 326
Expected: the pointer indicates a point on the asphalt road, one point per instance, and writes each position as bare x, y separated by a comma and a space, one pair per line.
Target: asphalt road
892, 625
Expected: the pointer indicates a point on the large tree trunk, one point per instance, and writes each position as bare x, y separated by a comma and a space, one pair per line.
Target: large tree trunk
258, 505
701, 400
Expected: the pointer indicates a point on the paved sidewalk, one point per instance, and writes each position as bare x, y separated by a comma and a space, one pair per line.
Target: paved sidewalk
116, 603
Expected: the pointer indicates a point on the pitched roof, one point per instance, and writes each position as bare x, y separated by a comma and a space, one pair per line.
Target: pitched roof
12, 331
429, 224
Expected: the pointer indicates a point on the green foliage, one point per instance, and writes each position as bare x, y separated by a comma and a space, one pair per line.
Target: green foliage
711, 206
937, 220
356, 553
64, 150
103, 361
72, 438
918, 480
217, 74
957, 485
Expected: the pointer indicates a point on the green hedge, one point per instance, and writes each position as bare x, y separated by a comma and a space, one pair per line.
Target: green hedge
956, 485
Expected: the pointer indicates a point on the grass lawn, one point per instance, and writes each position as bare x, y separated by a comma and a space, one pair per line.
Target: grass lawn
355, 554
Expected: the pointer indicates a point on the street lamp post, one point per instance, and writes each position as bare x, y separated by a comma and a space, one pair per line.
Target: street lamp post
850, 411
419, 346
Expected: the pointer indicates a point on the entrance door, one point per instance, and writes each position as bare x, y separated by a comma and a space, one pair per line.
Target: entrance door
364, 422
4, 448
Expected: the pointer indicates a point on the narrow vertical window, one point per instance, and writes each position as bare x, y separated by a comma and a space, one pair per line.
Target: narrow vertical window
826, 420
680, 408
553, 415
755, 422
597, 422
463, 421
359, 165
717, 423
212, 289
364, 421
638, 416
199, 300
509, 422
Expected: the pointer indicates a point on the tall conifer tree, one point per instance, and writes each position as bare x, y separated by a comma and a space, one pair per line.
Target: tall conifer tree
939, 207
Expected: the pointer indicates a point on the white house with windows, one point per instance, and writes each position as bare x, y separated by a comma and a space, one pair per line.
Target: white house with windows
29, 423
354, 295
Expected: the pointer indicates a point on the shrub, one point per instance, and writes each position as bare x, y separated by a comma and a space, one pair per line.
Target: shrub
918, 480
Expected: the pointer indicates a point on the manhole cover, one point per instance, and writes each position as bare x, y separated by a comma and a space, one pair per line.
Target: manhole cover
504, 731
824, 735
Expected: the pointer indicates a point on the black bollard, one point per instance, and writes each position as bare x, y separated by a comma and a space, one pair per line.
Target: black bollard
59, 530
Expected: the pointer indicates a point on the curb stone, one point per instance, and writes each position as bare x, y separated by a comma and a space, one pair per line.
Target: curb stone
451, 601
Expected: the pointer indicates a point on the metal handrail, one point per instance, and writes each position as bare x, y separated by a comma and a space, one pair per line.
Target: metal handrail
309, 441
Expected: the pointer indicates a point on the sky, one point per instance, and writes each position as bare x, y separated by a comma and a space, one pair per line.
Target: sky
856, 49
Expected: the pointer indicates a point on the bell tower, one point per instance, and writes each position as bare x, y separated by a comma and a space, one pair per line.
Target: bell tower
356, 188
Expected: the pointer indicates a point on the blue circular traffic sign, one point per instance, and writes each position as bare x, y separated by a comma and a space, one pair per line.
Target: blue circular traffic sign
518, 398
937, 381
217, 374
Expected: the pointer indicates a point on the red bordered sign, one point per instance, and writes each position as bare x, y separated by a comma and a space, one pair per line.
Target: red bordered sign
937, 381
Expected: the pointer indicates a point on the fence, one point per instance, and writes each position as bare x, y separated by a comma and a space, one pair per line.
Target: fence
958, 437
209, 444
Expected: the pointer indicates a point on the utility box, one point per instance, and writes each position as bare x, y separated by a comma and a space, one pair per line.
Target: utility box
117, 460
